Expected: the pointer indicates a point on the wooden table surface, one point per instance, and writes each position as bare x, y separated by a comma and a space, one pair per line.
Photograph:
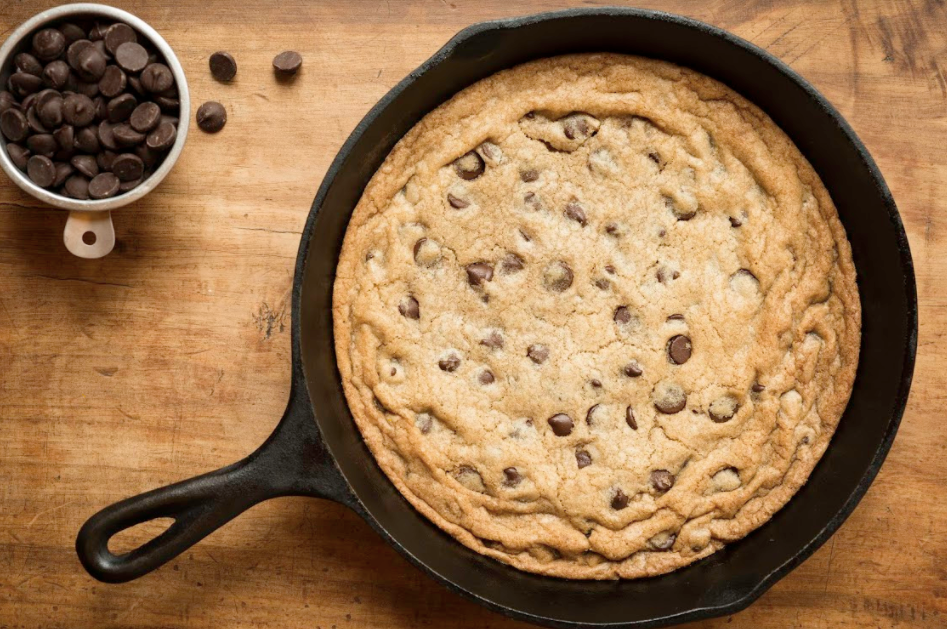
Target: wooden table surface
170, 357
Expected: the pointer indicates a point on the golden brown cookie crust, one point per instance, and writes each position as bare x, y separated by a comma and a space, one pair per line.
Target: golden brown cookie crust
670, 207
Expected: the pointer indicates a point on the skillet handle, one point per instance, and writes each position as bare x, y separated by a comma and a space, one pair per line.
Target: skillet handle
292, 462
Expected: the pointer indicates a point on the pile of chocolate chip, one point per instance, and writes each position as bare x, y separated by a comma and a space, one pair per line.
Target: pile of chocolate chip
90, 113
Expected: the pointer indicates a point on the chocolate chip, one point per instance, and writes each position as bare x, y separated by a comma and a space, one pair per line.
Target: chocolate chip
602, 283
145, 117
105, 159
662, 480
162, 137
131, 57
125, 186
98, 32
532, 200
56, 74
75, 49
63, 171
25, 62
579, 126
493, 340
596, 383
456, 202
287, 63
663, 541
211, 117
537, 353
666, 274
590, 414
223, 67
18, 155
135, 84
427, 253
42, 144
48, 44
121, 107
449, 363
78, 110
758, 388
583, 458
679, 213
632, 369
113, 82
723, 409
86, 165
409, 308
675, 317
679, 349
106, 137
669, 397
558, 277
33, 121
7, 100
50, 112
512, 477
118, 34
575, 212
41, 171
125, 136
619, 500
622, 315
101, 108
71, 32
77, 187
561, 424
529, 175
23, 84
104, 185
630, 418
735, 222
167, 103
91, 64
469, 166
128, 167
511, 263
478, 273
486, 377
156, 78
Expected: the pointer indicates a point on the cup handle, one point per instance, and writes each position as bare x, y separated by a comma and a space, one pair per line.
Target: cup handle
89, 234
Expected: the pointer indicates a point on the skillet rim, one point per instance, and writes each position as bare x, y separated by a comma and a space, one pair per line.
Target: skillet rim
866, 162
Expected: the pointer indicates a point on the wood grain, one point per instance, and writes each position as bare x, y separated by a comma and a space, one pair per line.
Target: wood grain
170, 357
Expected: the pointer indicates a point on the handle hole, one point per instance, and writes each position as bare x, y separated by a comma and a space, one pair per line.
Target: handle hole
136, 536
89, 238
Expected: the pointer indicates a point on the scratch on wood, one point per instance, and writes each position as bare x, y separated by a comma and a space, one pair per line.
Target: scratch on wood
108, 372
80, 279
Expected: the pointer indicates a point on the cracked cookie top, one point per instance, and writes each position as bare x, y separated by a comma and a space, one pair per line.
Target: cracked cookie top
596, 316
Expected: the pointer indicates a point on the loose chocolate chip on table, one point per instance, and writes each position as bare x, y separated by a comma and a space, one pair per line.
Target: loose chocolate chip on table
630, 418
113, 82
118, 34
13, 125
558, 277
48, 44
72, 32
211, 117
162, 137
18, 155
619, 500
583, 458
23, 84
7, 100
456, 202
561, 424
632, 369
478, 273
86, 165
622, 315
669, 398
63, 171
128, 167
529, 175
25, 62
42, 144
408, 307
156, 78
512, 477
493, 340
486, 377
287, 63
131, 57
449, 363
125, 136
78, 110
223, 67
104, 185
469, 166
662, 480
575, 212
723, 409
90, 64
77, 187
41, 171
537, 353
679, 349
105, 159
121, 107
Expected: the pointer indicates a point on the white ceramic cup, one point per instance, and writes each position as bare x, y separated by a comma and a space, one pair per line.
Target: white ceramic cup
93, 216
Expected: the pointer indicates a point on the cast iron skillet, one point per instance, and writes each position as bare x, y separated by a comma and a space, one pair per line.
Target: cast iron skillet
317, 451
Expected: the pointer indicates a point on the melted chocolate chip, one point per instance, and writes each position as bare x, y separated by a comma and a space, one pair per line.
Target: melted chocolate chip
622, 315
723, 409
493, 340
537, 353
575, 212
561, 424
478, 273
583, 458
450, 363
409, 308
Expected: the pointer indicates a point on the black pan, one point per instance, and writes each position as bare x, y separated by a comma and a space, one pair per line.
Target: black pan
317, 450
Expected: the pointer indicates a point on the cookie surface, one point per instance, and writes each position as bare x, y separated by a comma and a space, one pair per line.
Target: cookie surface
596, 317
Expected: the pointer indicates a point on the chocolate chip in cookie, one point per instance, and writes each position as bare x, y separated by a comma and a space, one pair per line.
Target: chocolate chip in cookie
486, 377
538, 353
590, 415
449, 363
669, 397
630, 418
469, 166
511, 477
662, 541
511, 263
622, 315
632, 369
561, 424
679, 349
723, 409
662, 480
427, 253
583, 458
493, 340
409, 308
619, 500
574, 211
558, 277
530, 175
456, 202
478, 273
